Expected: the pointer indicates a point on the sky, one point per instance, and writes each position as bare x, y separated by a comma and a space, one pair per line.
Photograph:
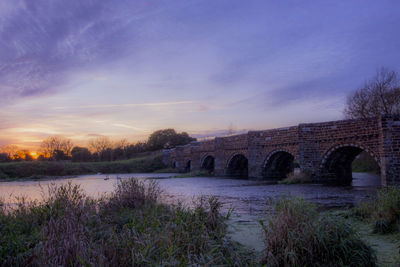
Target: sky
123, 69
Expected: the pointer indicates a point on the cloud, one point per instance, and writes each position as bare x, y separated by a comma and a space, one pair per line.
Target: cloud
155, 104
42, 42
94, 135
128, 127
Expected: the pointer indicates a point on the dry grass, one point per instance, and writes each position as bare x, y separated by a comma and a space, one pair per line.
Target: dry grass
126, 228
298, 236
383, 210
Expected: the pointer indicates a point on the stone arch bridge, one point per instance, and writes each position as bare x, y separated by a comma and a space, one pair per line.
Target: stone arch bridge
324, 151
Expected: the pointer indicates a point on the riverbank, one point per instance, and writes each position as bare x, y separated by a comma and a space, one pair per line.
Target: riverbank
43, 169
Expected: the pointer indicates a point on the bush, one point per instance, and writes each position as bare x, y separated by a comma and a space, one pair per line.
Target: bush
298, 236
133, 193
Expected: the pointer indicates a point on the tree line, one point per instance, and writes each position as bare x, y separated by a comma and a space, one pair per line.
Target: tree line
59, 148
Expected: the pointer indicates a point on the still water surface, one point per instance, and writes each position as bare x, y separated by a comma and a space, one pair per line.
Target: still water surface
249, 199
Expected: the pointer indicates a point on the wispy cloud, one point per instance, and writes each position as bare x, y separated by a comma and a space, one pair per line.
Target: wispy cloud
42, 44
129, 127
155, 104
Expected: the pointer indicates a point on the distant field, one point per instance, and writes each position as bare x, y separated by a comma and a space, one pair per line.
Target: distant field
35, 169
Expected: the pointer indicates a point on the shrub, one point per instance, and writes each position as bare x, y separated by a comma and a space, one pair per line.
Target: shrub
296, 235
133, 193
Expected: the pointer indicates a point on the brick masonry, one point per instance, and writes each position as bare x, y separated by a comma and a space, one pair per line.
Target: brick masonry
323, 150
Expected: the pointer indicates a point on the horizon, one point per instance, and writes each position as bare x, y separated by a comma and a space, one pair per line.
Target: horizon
126, 69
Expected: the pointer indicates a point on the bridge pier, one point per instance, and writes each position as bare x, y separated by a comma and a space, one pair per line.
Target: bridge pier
219, 162
390, 150
256, 155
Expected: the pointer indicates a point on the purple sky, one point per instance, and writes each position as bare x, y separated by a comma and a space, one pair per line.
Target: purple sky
127, 68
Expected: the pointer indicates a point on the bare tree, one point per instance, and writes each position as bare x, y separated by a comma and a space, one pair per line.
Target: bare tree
123, 143
10, 150
380, 95
52, 144
100, 144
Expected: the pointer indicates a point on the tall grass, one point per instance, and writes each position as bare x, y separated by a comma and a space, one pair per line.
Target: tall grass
297, 235
128, 227
383, 210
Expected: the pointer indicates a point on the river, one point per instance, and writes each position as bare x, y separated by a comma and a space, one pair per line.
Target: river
249, 199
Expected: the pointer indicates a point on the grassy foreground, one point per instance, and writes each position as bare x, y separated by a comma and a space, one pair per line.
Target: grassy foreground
299, 235
36, 169
128, 227
131, 227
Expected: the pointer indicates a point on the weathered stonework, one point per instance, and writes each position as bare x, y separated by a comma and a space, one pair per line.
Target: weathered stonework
323, 150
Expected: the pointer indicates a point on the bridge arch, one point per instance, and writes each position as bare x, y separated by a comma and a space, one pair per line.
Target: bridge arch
207, 163
336, 163
278, 164
237, 165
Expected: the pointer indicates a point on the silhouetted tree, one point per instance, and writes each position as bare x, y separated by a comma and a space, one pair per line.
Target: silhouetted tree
106, 155
4, 157
28, 156
95, 157
52, 144
120, 149
168, 138
100, 144
59, 155
118, 153
21, 155
380, 95
41, 158
10, 150
80, 154
134, 149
